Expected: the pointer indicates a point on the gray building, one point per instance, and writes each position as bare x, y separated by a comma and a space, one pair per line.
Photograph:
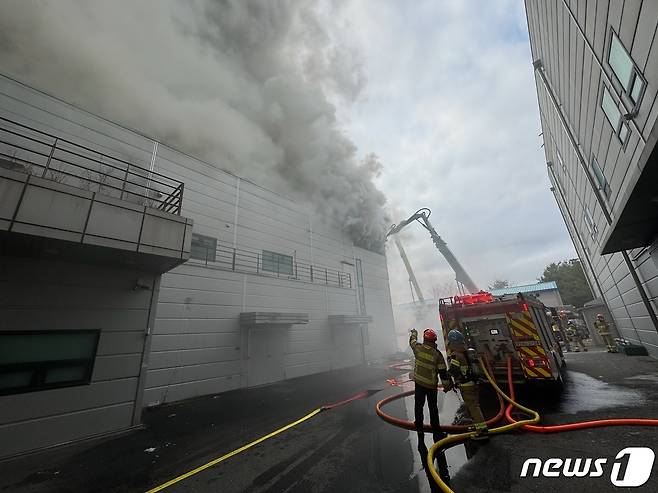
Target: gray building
596, 72
266, 291
546, 292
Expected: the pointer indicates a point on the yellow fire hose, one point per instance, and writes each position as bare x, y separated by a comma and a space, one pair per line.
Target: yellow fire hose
464, 436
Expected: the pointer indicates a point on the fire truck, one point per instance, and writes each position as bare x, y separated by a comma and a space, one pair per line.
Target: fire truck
497, 327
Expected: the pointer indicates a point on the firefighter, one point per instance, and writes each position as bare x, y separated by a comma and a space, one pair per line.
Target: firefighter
428, 367
466, 382
574, 337
603, 329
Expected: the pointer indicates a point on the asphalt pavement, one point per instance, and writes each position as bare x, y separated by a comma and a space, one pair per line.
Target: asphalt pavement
348, 448
600, 385
343, 449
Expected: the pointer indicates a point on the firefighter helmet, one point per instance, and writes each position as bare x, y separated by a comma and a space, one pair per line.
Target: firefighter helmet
599, 316
429, 335
455, 337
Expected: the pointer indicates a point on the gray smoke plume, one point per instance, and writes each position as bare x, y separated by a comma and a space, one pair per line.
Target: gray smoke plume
249, 85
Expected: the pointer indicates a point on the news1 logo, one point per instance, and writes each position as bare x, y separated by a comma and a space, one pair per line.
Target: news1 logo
631, 468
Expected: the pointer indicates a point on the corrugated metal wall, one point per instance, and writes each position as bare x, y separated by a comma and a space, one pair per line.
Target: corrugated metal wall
576, 76
196, 345
53, 295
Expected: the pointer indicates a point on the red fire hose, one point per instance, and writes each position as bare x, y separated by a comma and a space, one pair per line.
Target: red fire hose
409, 425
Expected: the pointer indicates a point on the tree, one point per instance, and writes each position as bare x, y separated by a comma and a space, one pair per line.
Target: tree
499, 284
570, 280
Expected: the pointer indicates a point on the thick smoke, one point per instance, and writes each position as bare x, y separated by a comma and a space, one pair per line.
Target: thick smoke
249, 85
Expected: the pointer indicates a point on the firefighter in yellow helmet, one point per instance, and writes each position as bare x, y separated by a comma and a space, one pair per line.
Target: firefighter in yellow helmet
466, 382
603, 329
428, 368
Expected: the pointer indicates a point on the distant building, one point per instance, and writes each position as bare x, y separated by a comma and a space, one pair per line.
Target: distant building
132, 274
596, 72
546, 292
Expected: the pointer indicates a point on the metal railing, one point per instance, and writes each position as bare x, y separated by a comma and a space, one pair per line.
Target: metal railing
251, 262
26, 149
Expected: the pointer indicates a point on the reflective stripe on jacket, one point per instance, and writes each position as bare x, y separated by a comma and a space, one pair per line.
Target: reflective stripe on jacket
602, 328
461, 370
430, 364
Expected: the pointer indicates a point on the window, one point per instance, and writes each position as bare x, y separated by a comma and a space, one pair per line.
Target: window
600, 178
277, 262
559, 160
610, 109
613, 115
591, 225
40, 360
203, 248
624, 69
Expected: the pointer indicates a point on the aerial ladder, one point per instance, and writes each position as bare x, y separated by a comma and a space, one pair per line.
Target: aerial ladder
421, 216
410, 271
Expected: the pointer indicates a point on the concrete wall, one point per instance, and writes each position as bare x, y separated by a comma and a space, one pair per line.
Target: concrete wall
54, 295
196, 345
573, 53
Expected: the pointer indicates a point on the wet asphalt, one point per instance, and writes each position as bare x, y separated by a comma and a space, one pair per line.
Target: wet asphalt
349, 449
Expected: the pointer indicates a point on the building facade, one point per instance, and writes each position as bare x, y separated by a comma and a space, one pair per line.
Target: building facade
596, 72
266, 291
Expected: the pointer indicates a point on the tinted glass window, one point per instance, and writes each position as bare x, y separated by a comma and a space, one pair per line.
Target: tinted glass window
610, 109
600, 177
620, 62
203, 247
277, 262
31, 361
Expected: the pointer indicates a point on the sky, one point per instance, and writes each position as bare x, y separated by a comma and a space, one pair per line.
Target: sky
451, 110
365, 109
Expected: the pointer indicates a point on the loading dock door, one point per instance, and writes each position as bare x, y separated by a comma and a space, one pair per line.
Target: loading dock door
348, 346
266, 355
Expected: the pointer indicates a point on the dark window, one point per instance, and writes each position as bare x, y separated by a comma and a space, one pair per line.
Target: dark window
203, 247
614, 116
600, 177
40, 360
277, 262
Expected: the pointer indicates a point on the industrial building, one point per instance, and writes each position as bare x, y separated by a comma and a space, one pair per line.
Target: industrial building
134, 275
596, 72
546, 292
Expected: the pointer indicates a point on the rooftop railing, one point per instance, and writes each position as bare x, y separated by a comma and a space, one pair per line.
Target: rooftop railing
32, 151
226, 257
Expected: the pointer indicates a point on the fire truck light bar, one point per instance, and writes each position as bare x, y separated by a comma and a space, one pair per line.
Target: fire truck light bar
474, 299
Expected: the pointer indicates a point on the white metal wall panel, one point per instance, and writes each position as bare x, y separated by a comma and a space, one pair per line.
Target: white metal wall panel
53, 295
197, 345
577, 78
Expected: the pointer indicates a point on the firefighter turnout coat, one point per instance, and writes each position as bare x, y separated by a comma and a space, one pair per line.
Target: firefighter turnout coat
429, 365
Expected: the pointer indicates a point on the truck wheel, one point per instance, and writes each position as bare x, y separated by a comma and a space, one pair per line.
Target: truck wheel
555, 387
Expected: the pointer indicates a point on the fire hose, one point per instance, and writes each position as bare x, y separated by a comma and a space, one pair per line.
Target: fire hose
529, 424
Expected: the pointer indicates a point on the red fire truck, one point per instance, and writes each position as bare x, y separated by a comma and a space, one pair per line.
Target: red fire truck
497, 327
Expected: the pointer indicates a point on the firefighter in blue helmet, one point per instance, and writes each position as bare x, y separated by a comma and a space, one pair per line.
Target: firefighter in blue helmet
466, 382
428, 368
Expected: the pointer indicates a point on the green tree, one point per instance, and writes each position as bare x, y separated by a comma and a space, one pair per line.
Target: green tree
570, 280
499, 284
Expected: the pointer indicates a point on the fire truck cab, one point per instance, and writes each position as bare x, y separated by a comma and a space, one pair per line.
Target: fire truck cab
496, 328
